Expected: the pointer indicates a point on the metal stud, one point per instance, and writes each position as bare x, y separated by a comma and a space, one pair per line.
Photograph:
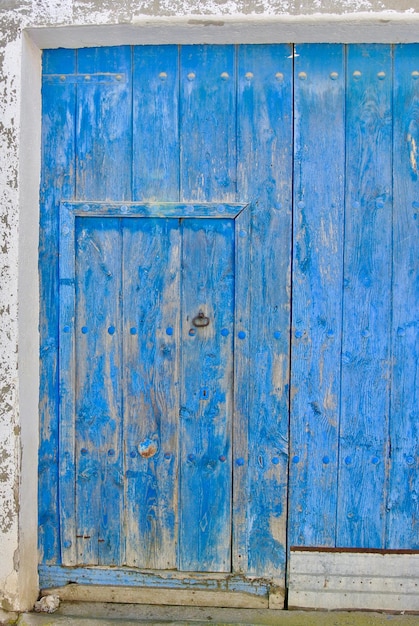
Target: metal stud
357, 74
381, 75
302, 76
279, 77
191, 76
248, 75
415, 74
163, 76
334, 75
225, 76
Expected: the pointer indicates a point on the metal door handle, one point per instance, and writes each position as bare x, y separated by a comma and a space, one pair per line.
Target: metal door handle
200, 320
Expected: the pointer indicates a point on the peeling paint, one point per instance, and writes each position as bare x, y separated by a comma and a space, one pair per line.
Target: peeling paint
16, 15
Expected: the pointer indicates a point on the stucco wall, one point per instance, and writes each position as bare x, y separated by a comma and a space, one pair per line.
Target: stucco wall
19, 153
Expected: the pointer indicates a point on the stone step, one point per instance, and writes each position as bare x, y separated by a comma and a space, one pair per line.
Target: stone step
107, 614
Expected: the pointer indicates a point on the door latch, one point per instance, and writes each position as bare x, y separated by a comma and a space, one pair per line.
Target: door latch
200, 320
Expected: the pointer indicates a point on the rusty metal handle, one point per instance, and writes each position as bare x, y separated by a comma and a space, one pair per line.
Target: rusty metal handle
200, 321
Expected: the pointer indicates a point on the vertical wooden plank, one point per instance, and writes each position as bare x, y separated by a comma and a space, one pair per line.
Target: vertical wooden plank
155, 123
104, 124
367, 299
319, 168
103, 170
58, 107
264, 173
67, 384
403, 515
151, 271
207, 123
98, 449
206, 395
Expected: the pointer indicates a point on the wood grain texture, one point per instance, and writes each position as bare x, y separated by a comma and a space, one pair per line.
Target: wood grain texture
206, 397
319, 165
207, 123
58, 115
151, 310
367, 299
104, 125
402, 505
161, 209
51, 575
264, 175
98, 364
156, 123
162, 596
67, 386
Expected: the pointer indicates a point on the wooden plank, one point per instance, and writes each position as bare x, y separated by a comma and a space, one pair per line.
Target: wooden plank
367, 299
402, 505
156, 123
98, 450
52, 575
67, 382
319, 166
206, 397
58, 107
174, 597
151, 276
240, 452
207, 123
104, 127
353, 581
163, 209
264, 175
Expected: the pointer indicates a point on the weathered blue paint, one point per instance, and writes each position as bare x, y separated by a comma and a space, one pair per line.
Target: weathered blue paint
164, 209
52, 576
264, 178
367, 302
151, 302
155, 152
177, 186
58, 180
402, 504
319, 162
205, 428
207, 123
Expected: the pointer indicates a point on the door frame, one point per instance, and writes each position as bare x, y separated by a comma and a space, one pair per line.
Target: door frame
379, 27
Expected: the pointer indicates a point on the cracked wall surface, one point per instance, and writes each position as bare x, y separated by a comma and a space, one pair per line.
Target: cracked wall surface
14, 17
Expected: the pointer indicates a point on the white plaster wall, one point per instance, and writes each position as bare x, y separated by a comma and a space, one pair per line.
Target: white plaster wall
81, 23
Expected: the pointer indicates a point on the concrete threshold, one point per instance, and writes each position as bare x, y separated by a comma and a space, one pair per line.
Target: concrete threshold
107, 614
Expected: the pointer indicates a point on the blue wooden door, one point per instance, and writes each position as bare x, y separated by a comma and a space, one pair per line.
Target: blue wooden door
147, 313
353, 423
229, 310
165, 258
